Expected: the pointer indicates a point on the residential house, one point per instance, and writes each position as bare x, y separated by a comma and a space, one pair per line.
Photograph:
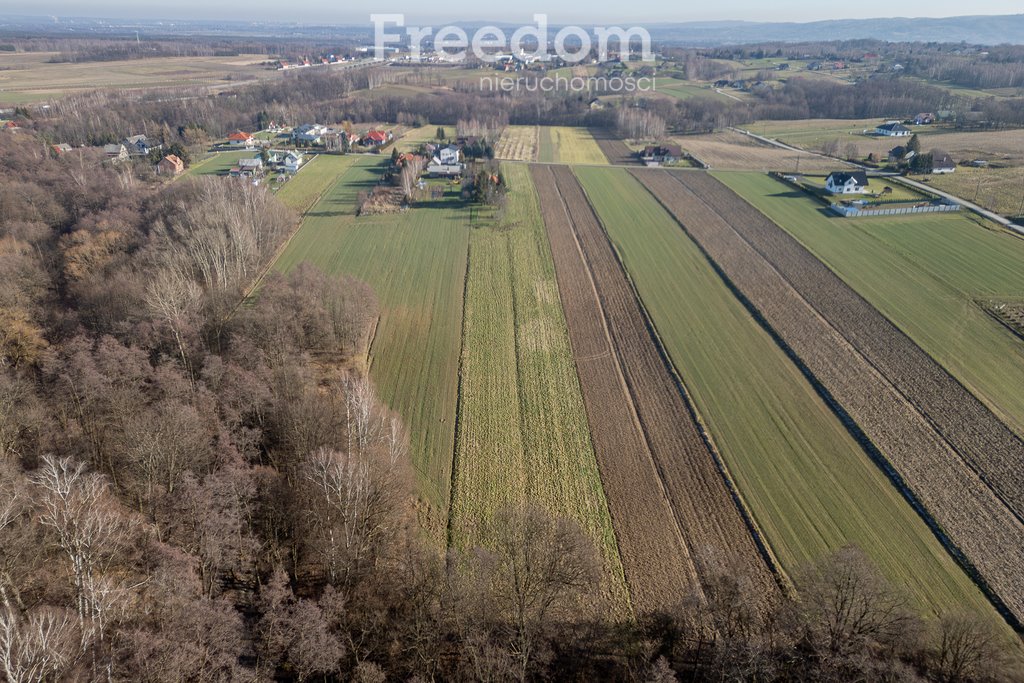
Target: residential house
924, 119
242, 139
943, 164
892, 129
847, 182
247, 168
309, 133
140, 145
377, 138
448, 155
897, 154
446, 163
657, 155
170, 165
62, 148
116, 151
596, 104
292, 162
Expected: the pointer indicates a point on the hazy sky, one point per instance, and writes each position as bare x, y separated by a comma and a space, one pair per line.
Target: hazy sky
559, 11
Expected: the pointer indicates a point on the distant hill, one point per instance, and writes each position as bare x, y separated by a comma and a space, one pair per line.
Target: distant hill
982, 30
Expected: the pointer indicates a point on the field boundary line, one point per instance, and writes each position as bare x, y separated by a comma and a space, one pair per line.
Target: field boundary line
457, 440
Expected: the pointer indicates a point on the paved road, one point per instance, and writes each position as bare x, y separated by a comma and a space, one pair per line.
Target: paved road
1005, 222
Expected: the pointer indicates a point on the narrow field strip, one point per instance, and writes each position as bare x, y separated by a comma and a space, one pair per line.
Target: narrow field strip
972, 522
523, 435
617, 151
566, 145
655, 560
805, 478
518, 143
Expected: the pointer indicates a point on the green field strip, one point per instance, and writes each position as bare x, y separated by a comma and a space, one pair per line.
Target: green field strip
810, 486
416, 263
523, 434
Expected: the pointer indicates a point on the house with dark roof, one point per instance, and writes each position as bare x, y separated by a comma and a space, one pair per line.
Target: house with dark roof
116, 151
657, 155
924, 118
847, 182
892, 129
140, 145
942, 163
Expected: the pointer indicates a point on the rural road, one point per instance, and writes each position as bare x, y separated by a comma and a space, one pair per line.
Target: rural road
1005, 222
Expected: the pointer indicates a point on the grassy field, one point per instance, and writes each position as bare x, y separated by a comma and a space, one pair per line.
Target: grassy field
1004, 146
564, 145
728, 149
684, 90
811, 488
218, 164
416, 263
926, 274
523, 434
313, 179
29, 76
997, 189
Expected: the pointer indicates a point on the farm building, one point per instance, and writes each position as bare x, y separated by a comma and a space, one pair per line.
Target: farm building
924, 119
893, 129
847, 182
170, 165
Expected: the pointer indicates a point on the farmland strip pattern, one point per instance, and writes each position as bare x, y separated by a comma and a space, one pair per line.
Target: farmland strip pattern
711, 524
967, 513
655, 559
986, 444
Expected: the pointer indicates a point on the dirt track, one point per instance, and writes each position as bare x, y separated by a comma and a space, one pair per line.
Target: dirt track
715, 533
973, 519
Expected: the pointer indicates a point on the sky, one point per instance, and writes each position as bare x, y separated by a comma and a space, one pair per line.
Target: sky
583, 12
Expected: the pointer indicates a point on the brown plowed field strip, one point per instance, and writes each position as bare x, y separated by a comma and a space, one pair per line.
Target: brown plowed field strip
716, 534
984, 441
973, 522
617, 151
655, 559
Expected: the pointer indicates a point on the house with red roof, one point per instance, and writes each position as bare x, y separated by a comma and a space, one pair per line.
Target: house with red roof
377, 138
241, 139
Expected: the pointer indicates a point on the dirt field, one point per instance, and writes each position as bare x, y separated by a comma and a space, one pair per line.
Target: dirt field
617, 151
731, 150
518, 143
655, 559
754, 256
713, 528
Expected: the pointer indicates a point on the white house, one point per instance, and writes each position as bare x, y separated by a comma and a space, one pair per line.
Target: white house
448, 155
242, 139
292, 161
847, 182
893, 129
